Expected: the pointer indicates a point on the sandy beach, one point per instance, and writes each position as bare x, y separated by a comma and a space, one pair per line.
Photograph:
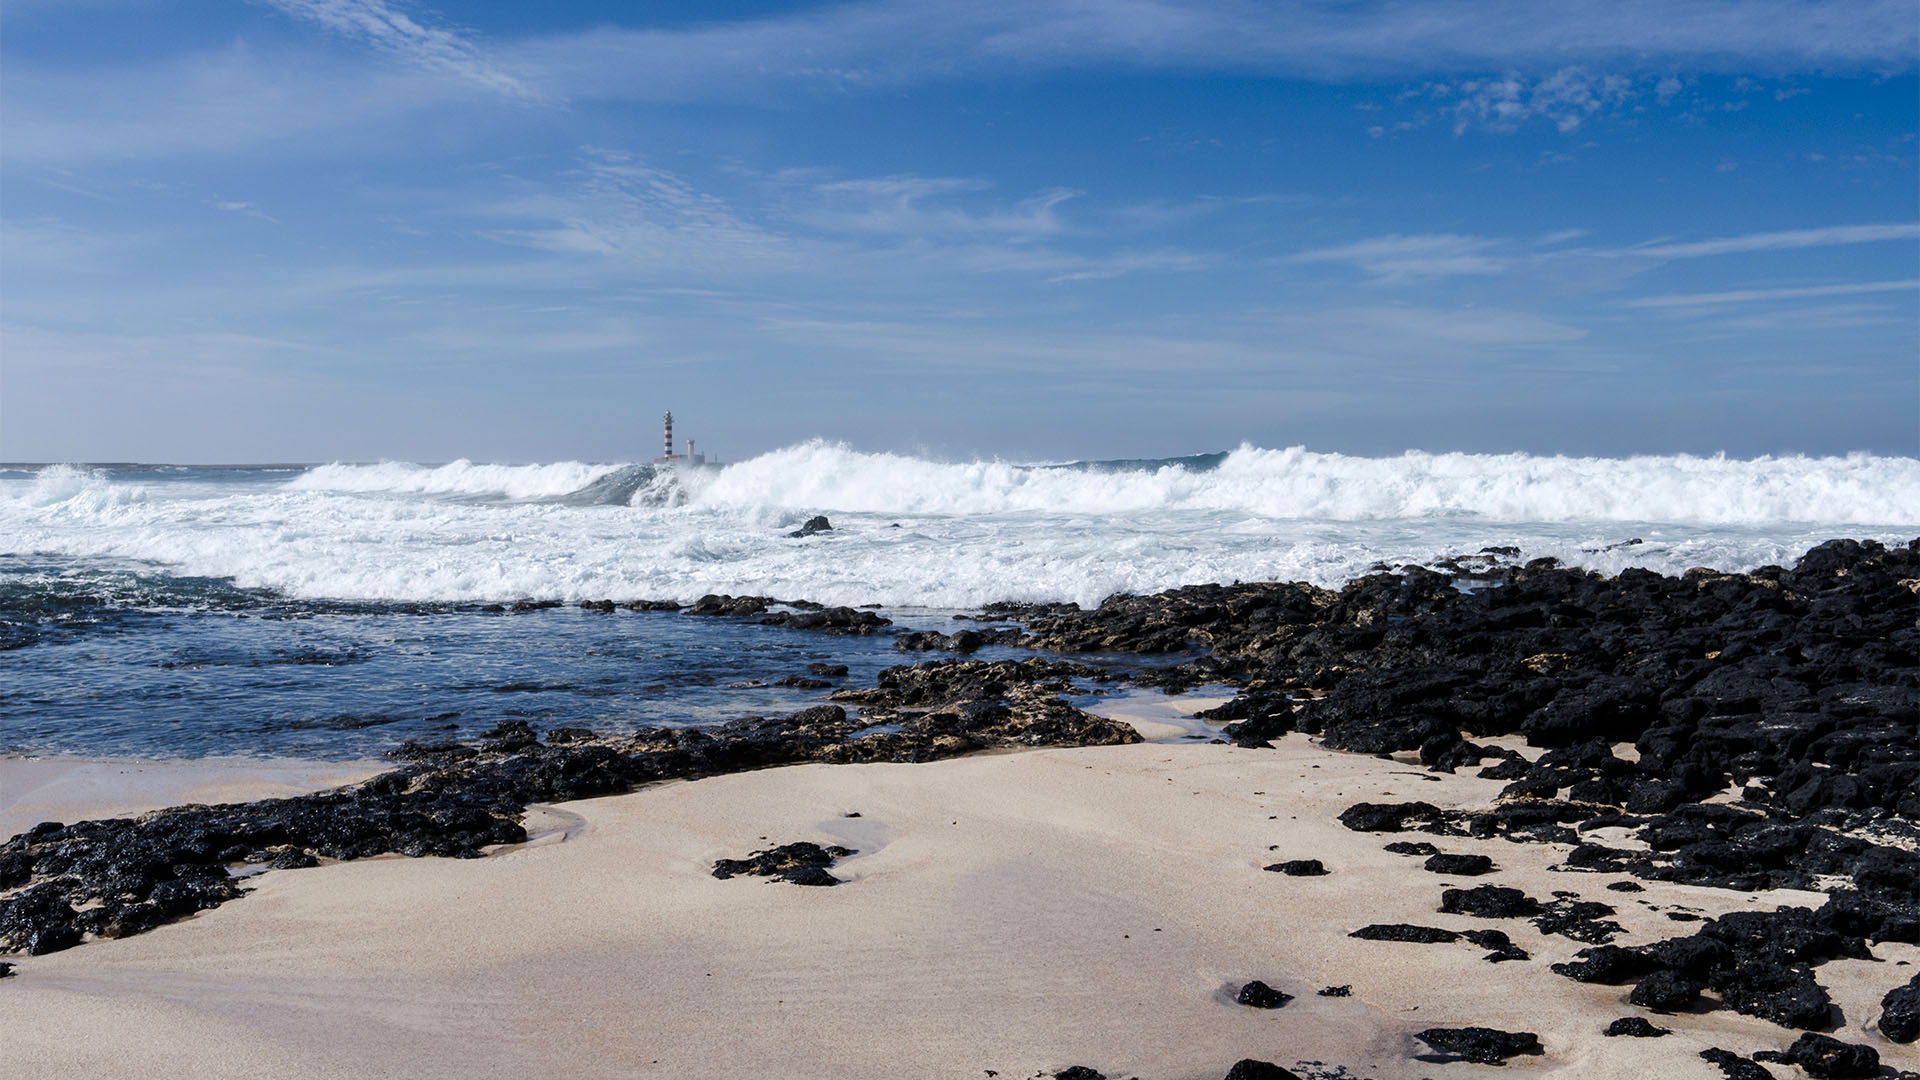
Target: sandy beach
1006, 914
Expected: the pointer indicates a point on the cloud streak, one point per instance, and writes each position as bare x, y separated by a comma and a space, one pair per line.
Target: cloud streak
886, 43
393, 32
1784, 240
1748, 296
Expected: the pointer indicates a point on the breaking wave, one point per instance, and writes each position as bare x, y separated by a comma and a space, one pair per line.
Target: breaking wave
1295, 483
911, 532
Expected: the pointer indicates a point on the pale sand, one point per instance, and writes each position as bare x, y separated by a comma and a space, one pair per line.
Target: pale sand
1014, 912
33, 790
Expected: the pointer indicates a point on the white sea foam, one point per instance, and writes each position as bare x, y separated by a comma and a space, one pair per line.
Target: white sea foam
1297, 483
967, 533
461, 477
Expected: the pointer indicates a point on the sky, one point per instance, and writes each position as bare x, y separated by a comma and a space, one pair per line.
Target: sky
313, 230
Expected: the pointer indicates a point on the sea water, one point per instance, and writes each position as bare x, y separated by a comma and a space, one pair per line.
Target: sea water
331, 611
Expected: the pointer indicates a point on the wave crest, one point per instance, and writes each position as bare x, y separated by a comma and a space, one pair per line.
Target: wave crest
1295, 483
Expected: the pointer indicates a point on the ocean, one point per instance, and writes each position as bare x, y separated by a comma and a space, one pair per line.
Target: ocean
331, 611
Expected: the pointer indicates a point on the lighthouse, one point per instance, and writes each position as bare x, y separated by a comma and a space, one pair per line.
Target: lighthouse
667, 456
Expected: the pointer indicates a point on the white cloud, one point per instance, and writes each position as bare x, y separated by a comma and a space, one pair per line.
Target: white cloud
1775, 241
1567, 98
911, 206
391, 31
1747, 296
1397, 257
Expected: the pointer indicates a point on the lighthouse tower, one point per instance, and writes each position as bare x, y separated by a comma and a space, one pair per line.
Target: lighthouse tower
668, 457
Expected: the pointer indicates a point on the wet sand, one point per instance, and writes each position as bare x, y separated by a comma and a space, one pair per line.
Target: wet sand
1010, 912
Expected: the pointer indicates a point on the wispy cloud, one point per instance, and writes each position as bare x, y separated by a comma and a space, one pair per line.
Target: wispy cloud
912, 206
1747, 296
620, 207
235, 206
1775, 241
885, 43
436, 48
1398, 257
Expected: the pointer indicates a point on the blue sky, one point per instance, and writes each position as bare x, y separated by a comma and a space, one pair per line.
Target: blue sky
362, 229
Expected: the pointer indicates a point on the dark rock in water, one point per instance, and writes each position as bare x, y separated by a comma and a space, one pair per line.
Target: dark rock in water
827, 671
1250, 1069
1388, 817
1412, 847
1826, 1058
1637, 1027
1336, 991
1261, 996
1423, 935
1735, 1066
1484, 1046
1489, 902
802, 863
720, 604
816, 524
1074, 1072
1299, 868
1460, 865
1666, 991
802, 682
1900, 1012
961, 641
834, 620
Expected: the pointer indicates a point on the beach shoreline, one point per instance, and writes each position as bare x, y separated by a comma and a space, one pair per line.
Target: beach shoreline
1016, 912
1071, 896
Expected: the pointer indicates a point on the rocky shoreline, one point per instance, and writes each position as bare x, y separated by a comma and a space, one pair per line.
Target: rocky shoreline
1736, 731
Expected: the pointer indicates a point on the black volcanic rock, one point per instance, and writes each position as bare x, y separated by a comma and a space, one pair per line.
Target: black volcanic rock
1250, 1069
1489, 902
816, 524
1484, 1046
1388, 817
802, 863
1900, 1012
1826, 1058
1666, 991
1299, 868
1736, 1067
1261, 996
1637, 1027
1459, 865
1424, 935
